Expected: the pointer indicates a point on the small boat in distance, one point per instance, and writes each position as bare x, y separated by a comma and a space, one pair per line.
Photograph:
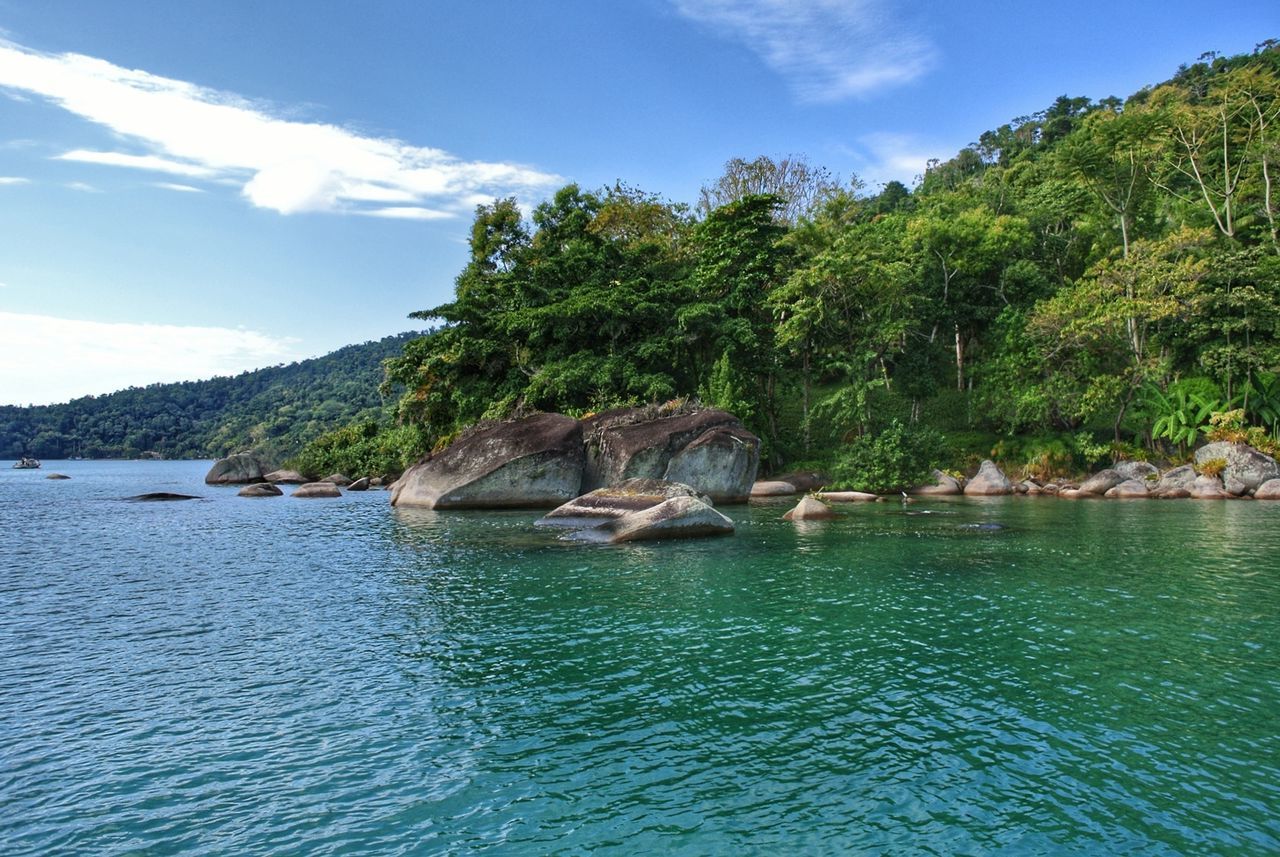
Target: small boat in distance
26, 463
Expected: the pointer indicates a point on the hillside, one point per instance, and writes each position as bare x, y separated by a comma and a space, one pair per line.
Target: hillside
274, 410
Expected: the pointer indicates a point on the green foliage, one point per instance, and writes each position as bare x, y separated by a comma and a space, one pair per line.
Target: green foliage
369, 448
896, 458
1180, 416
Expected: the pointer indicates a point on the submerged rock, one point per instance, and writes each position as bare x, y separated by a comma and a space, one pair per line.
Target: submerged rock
317, 490
810, 509
525, 463
989, 481
57, 476
238, 469
161, 497
677, 518
631, 495
260, 489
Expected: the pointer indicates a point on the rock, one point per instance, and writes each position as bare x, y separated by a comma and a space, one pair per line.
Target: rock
1051, 488
1130, 489
57, 476
708, 450
317, 489
239, 469
1077, 494
631, 495
810, 509
377, 482
1244, 463
721, 463
525, 463
1269, 490
677, 518
1020, 488
1234, 486
1030, 487
943, 485
260, 489
161, 497
337, 479
1176, 483
847, 497
361, 484
285, 477
1207, 488
808, 480
773, 488
1143, 471
1101, 482
988, 482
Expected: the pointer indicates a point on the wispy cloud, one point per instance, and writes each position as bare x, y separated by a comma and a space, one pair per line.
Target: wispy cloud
886, 157
123, 355
13, 180
828, 50
83, 187
282, 164
181, 188
408, 212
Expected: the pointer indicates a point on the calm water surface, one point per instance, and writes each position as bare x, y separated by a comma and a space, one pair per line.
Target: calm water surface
240, 676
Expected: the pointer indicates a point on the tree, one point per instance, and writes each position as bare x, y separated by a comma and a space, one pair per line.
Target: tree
799, 186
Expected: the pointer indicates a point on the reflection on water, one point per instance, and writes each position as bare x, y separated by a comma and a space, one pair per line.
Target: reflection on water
232, 675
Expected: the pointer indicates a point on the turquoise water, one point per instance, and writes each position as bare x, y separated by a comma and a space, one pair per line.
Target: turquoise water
242, 676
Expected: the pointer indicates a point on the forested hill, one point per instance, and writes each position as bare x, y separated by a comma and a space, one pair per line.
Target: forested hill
275, 411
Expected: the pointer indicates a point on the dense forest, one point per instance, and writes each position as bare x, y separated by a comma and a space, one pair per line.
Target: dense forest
274, 411
1097, 280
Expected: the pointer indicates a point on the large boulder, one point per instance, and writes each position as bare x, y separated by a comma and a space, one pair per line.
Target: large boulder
1207, 487
260, 489
285, 477
1176, 483
1101, 482
313, 490
810, 509
677, 518
1246, 466
1143, 471
1130, 489
239, 469
708, 450
630, 495
943, 485
1269, 490
532, 462
989, 481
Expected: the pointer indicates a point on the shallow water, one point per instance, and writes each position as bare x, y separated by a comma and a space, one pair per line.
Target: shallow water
228, 675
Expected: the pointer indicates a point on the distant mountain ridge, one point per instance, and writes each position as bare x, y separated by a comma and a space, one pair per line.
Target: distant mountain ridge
274, 411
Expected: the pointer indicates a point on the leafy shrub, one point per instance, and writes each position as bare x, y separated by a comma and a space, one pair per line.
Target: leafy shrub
896, 458
1212, 467
362, 449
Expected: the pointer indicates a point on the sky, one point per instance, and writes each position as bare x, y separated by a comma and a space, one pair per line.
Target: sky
199, 188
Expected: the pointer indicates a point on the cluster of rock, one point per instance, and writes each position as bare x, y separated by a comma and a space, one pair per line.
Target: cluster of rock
1221, 470
638, 509
549, 459
245, 469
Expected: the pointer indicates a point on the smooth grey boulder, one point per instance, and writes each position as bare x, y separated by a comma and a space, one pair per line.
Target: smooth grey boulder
1207, 487
1269, 490
1143, 471
847, 497
944, 485
1101, 482
989, 481
708, 450
285, 477
1176, 483
811, 509
630, 495
1244, 463
1130, 489
361, 484
677, 518
773, 488
311, 490
239, 469
1030, 487
337, 479
259, 489
532, 462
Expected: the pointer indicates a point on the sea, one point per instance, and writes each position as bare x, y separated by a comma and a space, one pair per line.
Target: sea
226, 675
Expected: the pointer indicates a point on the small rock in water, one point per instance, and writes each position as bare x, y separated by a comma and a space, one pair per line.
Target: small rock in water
161, 497
984, 527
57, 476
260, 489
317, 489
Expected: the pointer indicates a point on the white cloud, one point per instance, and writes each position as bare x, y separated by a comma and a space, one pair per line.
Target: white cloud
13, 180
409, 212
828, 50
884, 157
83, 187
281, 164
181, 188
121, 355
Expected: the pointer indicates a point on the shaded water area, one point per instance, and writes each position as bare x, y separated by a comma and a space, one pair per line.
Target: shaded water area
228, 675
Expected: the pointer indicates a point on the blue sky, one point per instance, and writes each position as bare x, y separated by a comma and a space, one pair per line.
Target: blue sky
198, 188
